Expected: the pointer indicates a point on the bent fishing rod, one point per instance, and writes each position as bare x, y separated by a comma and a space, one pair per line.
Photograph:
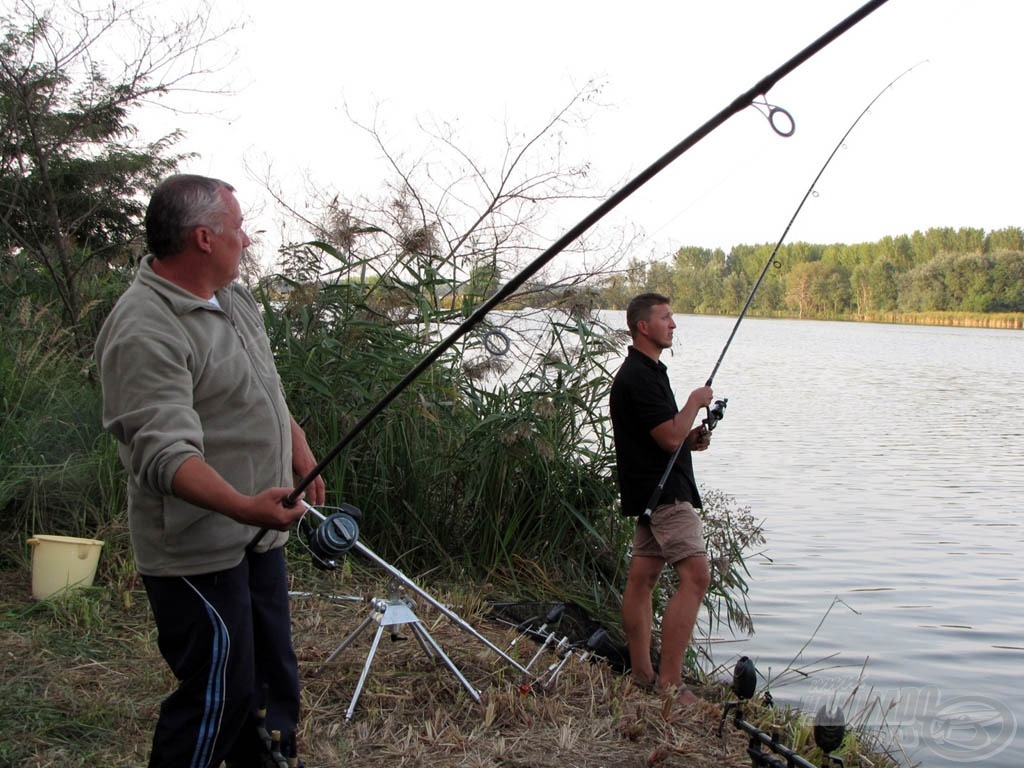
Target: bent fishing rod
716, 412
741, 102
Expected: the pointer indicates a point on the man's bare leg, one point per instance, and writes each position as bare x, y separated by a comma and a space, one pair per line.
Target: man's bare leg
679, 620
637, 614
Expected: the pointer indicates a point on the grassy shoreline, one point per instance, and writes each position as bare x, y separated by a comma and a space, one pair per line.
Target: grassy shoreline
993, 320
1002, 320
82, 681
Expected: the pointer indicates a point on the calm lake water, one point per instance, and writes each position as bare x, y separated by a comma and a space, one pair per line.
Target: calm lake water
886, 464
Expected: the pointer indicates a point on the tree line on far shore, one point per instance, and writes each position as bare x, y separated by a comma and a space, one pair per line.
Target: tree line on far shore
939, 270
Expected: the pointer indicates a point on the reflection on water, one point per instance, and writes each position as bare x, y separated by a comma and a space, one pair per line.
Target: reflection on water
886, 464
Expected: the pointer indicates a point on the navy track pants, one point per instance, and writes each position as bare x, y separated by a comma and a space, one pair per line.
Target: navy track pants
225, 635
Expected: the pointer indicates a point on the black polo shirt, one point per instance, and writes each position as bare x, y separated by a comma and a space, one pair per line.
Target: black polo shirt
641, 399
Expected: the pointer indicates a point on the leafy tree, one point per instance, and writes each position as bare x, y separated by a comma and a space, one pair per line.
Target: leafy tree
659, 278
968, 281
815, 288
1009, 239
965, 270
1007, 284
873, 286
616, 291
798, 287
897, 250
689, 267
794, 253
923, 288
72, 170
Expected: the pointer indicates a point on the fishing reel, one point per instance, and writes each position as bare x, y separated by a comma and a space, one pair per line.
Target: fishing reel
336, 534
716, 412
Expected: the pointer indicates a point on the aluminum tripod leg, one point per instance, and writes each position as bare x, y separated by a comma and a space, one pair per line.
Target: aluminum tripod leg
462, 623
366, 671
346, 642
392, 614
369, 554
423, 636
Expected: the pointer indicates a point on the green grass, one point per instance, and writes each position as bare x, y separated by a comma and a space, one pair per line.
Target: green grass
70, 676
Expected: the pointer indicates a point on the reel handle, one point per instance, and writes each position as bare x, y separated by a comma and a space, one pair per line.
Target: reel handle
716, 412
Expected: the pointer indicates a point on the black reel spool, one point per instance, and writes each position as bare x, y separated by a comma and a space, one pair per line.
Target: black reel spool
331, 540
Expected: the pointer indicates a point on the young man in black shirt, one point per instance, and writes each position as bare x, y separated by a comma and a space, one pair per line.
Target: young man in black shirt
648, 428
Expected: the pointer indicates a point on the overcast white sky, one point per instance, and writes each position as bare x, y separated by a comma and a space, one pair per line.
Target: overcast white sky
941, 148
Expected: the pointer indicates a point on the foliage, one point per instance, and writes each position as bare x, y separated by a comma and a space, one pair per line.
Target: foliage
499, 467
492, 468
466, 467
939, 270
731, 535
72, 173
58, 472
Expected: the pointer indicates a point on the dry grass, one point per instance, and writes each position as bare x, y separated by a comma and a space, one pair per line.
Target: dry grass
81, 681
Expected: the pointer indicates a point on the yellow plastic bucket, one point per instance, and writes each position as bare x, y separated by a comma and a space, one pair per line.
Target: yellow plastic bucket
62, 562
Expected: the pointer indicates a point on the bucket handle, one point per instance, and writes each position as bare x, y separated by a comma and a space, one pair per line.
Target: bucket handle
83, 551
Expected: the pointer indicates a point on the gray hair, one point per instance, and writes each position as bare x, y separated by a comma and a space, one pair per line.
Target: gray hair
180, 204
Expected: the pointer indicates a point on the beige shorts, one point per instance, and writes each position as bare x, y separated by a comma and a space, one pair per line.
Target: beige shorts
674, 533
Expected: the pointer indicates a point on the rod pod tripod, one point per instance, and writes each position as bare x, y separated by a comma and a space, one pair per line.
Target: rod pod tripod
397, 610
342, 536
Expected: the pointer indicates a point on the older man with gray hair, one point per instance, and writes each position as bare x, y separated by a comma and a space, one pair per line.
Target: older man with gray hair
211, 451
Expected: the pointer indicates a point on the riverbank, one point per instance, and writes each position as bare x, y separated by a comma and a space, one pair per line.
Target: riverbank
1008, 320
82, 681
995, 320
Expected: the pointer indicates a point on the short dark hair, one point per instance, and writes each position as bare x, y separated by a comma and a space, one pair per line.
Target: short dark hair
180, 204
640, 309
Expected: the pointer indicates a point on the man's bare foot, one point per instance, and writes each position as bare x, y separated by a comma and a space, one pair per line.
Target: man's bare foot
648, 686
680, 693
686, 697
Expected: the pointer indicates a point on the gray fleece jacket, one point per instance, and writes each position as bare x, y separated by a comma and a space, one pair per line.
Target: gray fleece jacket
182, 378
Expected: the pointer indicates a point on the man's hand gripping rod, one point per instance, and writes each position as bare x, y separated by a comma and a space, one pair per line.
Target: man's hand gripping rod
716, 412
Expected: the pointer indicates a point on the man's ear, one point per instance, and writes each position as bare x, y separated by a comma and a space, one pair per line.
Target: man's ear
202, 238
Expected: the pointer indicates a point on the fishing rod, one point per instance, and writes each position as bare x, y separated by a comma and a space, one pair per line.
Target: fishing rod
716, 411
741, 102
